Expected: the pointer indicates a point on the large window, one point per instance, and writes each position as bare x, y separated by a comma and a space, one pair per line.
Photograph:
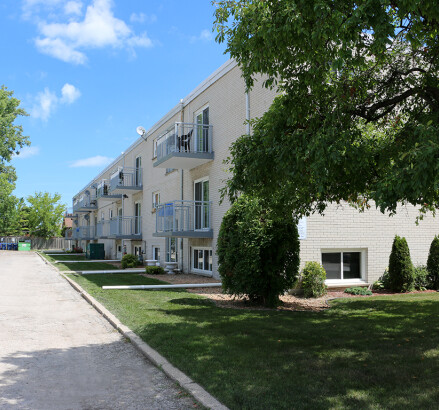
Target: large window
171, 250
343, 265
155, 199
202, 259
156, 253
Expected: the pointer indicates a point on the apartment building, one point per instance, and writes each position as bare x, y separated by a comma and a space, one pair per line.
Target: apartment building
161, 196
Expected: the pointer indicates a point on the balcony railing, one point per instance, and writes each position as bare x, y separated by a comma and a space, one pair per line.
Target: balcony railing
190, 219
126, 179
184, 146
82, 232
103, 191
126, 227
103, 229
85, 203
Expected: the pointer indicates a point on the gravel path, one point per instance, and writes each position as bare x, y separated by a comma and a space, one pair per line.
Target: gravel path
57, 352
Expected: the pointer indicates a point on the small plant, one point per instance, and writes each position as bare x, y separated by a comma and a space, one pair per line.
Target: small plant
76, 249
130, 261
358, 291
154, 270
422, 278
383, 282
401, 274
313, 280
433, 263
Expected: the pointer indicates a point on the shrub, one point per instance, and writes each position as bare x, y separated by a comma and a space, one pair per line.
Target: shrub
358, 291
433, 263
313, 280
422, 278
154, 270
258, 252
401, 275
383, 282
130, 261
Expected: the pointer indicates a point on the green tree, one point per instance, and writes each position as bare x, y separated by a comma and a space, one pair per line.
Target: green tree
258, 252
11, 141
433, 263
45, 214
401, 271
357, 115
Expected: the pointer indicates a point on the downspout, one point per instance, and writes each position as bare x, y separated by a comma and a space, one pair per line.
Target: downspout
181, 183
123, 207
247, 111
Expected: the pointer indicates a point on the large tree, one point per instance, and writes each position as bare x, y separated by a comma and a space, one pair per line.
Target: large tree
45, 214
357, 115
11, 141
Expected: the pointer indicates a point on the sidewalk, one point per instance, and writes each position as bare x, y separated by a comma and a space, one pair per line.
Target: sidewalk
57, 352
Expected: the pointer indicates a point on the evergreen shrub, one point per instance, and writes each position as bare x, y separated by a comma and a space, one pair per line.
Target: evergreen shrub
433, 263
154, 270
358, 290
130, 261
313, 280
422, 279
401, 272
258, 252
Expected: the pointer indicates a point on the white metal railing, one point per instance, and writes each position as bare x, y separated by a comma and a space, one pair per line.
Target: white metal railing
126, 178
183, 216
185, 137
126, 226
103, 229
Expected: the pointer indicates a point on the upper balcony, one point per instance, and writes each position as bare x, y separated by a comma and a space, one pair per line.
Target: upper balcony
126, 227
184, 146
125, 180
86, 202
184, 219
103, 229
103, 191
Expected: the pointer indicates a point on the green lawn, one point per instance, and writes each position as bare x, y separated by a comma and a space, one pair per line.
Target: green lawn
67, 257
380, 352
78, 266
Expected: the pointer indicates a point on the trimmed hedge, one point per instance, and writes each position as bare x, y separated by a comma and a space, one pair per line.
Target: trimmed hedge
154, 270
258, 251
313, 280
433, 263
401, 272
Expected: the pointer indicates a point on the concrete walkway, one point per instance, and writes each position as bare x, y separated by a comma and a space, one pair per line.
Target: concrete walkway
57, 352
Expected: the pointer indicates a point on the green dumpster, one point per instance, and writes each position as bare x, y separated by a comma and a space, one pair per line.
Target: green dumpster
24, 246
95, 251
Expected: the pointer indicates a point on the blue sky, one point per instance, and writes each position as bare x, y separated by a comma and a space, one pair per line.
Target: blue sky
90, 71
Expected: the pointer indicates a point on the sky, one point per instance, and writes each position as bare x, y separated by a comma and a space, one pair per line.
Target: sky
88, 72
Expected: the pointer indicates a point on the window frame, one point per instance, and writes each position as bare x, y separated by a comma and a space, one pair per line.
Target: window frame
363, 258
154, 203
201, 248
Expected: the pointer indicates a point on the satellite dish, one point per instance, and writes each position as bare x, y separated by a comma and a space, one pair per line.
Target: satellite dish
141, 131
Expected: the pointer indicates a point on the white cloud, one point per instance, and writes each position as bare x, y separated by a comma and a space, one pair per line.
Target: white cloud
27, 152
143, 18
97, 161
69, 93
47, 101
205, 35
73, 7
98, 28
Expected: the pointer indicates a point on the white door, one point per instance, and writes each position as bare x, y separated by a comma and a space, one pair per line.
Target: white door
201, 198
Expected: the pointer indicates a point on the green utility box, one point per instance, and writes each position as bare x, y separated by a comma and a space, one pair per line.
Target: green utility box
24, 246
95, 251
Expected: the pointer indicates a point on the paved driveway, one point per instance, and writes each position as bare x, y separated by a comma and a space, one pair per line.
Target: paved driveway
57, 352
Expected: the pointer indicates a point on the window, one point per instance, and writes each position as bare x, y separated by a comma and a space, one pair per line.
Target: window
110, 214
155, 199
202, 259
202, 206
138, 175
137, 218
102, 215
343, 265
137, 250
171, 250
154, 148
202, 130
156, 253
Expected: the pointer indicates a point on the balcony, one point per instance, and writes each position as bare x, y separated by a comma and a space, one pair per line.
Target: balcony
184, 219
126, 180
103, 191
85, 203
86, 233
126, 227
103, 229
184, 146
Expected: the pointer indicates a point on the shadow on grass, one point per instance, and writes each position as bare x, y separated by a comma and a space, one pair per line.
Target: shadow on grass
361, 353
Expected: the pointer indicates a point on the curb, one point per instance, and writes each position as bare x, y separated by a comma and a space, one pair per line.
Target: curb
198, 392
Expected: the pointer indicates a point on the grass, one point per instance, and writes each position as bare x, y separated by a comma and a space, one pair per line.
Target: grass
380, 352
67, 257
78, 266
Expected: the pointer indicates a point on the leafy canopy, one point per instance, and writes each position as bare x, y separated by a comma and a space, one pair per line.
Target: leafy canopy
357, 114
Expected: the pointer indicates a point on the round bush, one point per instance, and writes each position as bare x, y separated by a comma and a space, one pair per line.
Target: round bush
258, 252
401, 272
130, 261
313, 280
422, 279
433, 263
154, 270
